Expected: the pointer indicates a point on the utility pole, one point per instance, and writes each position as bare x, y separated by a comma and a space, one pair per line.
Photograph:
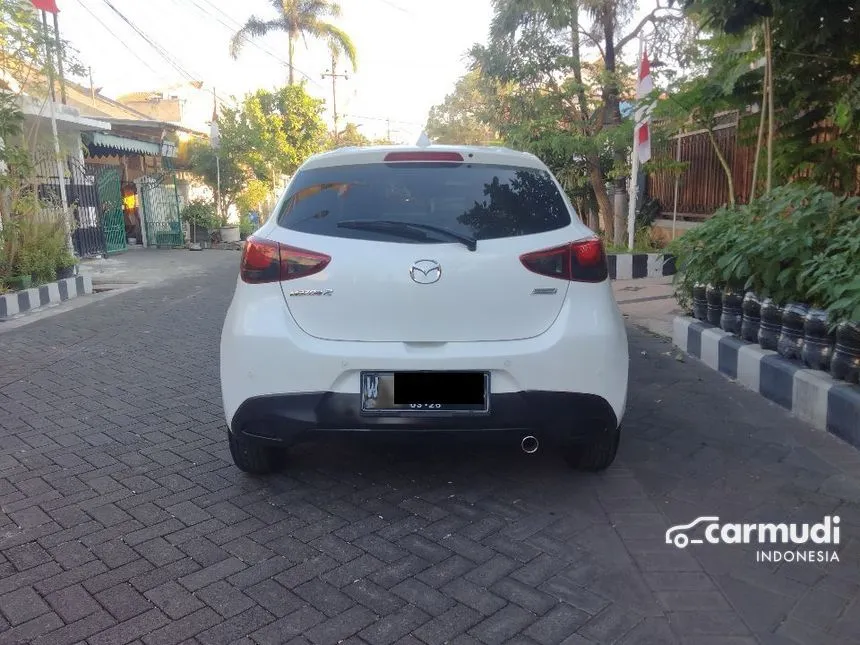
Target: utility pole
334, 76
388, 129
92, 88
60, 59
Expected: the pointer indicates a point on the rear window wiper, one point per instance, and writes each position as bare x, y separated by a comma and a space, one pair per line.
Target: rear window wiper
385, 225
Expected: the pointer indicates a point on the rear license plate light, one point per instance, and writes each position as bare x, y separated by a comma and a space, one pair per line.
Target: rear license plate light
425, 392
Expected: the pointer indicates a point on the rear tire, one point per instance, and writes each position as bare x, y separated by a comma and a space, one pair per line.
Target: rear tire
596, 455
252, 456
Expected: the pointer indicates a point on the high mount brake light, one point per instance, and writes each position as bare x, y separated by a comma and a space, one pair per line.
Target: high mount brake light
583, 261
268, 261
437, 156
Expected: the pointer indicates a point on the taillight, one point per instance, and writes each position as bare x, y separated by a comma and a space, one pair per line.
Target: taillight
583, 261
269, 261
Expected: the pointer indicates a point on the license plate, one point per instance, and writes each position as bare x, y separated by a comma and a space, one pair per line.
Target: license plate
425, 392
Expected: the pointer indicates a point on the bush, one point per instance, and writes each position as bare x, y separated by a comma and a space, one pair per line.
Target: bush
800, 243
200, 213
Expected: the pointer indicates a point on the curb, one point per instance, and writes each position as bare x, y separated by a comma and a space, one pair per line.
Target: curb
632, 266
53, 293
811, 395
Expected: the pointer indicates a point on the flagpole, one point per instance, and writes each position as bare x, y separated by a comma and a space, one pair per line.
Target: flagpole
634, 171
61, 175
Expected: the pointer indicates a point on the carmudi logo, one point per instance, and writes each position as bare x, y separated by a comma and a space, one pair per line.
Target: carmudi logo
709, 530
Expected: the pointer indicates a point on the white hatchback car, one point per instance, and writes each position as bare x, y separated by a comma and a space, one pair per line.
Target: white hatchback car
412, 289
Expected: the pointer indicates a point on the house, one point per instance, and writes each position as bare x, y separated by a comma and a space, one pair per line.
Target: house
123, 184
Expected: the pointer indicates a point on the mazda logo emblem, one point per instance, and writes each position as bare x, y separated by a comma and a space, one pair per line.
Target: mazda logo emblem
425, 272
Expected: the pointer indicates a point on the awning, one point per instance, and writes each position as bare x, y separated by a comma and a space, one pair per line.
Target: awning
126, 144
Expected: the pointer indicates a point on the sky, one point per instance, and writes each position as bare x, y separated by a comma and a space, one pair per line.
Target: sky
410, 54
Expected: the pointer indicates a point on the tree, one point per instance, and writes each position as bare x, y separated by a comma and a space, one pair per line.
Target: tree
564, 101
299, 19
464, 117
814, 122
233, 176
697, 103
349, 137
272, 133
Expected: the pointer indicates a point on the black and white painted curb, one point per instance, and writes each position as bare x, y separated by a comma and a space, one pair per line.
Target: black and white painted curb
809, 394
53, 293
631, 266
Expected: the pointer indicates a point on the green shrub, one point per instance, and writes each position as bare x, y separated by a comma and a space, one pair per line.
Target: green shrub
200, 213
799, 243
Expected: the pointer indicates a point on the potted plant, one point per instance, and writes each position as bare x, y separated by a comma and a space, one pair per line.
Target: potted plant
200, 215
790, 342
229, 232
67, 265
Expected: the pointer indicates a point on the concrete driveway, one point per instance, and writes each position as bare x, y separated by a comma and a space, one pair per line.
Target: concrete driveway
124, 521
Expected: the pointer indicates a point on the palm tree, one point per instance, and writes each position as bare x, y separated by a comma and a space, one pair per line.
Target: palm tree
299, 18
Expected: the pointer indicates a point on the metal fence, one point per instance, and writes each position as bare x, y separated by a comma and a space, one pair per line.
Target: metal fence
703, 187
161, 222
91, 202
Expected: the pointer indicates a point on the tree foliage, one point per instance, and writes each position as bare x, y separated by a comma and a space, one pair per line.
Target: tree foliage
299, 19
272, 133
466, 114
816, 91
564, 62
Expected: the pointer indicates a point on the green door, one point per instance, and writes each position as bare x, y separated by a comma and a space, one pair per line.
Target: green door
110, 201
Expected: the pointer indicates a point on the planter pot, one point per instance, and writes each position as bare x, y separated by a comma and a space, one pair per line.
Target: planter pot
714, 296
700, 302
751, 308
229, 233
67, 272
732, 315
818, 342
770, 324
19, 282
790, 342
845, 364
132, 241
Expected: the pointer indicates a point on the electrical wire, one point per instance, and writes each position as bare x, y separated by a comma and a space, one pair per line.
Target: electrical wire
377, 118
165, 54
158, 48
235, 26
121, 41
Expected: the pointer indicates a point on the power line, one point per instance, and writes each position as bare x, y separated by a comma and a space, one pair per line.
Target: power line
158, 48
394, 6
235, 26
165, 54
377, 118
121, 41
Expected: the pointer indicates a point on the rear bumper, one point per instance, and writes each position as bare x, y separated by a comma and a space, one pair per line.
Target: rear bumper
557, 417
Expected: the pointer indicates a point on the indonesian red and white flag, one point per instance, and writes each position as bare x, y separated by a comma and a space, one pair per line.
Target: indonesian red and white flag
46, 5
644, 87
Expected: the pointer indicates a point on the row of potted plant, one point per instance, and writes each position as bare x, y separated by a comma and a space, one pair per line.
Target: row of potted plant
795, 331
783, 272
34, 252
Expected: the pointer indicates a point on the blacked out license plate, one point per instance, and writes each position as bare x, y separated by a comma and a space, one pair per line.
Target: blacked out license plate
425, 392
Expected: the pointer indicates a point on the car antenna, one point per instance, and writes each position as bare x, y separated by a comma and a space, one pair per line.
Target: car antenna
423, 140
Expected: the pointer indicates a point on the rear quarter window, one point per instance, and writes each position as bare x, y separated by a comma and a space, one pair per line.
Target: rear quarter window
479, 200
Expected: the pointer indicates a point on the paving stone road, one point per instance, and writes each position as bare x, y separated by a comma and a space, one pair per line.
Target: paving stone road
124, 521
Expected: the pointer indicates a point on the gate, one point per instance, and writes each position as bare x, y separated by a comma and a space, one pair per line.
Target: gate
160, 200
94, 205
110, 200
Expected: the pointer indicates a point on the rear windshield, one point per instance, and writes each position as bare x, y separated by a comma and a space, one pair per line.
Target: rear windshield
481, 201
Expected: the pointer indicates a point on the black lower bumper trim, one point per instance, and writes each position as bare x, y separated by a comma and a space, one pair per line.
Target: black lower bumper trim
290, 418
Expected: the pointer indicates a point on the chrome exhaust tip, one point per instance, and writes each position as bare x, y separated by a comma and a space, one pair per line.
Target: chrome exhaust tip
529, 445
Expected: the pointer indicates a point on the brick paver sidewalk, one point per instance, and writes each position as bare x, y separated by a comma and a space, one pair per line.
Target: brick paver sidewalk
124, 521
